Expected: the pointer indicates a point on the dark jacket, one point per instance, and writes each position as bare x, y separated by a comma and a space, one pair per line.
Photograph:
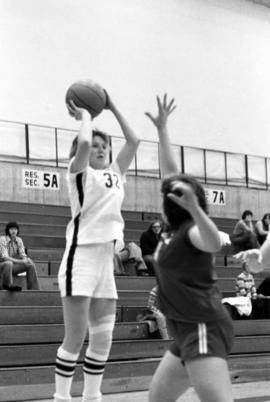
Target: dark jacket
149, 241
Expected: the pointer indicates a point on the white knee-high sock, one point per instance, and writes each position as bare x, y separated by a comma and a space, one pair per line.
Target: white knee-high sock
93, 371
64, 372
100, 341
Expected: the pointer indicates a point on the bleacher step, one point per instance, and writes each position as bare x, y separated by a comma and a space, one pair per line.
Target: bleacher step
145, 283
53, 333
42, 354
12, 315
48, 283
52, 298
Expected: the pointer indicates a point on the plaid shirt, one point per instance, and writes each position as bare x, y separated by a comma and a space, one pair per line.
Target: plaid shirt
11, 248
245, 285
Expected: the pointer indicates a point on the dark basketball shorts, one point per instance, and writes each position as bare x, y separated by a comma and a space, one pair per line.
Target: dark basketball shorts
193, 340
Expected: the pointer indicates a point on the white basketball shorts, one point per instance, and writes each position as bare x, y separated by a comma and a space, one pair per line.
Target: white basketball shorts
88, 271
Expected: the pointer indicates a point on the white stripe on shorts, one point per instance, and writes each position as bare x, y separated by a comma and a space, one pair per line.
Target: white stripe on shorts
202, 335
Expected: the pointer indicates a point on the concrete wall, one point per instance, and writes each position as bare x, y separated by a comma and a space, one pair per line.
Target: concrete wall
142, 194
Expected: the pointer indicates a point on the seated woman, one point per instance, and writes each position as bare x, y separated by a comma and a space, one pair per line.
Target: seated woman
262, 228
244, 237
148, 242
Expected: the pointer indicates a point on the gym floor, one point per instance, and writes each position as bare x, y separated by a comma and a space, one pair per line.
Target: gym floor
247, 392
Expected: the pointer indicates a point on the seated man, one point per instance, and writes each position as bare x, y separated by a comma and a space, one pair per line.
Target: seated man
13, 260
130, 254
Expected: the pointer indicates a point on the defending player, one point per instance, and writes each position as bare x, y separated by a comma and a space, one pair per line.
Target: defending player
188, 296
86, 279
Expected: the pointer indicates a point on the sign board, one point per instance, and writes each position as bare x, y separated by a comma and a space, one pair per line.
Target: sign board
215, 197
40, 179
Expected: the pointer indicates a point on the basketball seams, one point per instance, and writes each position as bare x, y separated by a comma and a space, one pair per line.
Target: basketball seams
103, 100
82, 102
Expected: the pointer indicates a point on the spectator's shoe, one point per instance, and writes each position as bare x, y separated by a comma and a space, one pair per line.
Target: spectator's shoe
12, 288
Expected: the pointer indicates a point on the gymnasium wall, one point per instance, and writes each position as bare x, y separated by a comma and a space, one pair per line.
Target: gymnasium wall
212, 55
142, 193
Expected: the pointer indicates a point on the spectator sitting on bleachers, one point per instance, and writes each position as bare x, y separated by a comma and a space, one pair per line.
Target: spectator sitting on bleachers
148, 242
13, 260
155, 317
130, 255
262, 228
245, 284
241, 306
244, 237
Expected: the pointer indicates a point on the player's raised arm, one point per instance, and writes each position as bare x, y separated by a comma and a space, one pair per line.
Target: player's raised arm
83, 143
127, 153
167, 159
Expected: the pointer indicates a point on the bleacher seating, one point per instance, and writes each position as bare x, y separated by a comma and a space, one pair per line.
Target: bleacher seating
31, 326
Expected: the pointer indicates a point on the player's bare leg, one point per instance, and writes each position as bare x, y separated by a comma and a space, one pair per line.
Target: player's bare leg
170, 380
210, 378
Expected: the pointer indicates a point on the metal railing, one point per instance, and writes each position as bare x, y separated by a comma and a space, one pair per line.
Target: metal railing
49, 146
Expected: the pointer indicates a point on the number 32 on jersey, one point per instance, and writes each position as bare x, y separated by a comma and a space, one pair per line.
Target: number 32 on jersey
112, 180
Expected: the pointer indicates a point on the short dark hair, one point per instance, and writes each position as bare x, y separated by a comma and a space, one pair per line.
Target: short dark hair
10, 225
246, 213
96, 133
175, 214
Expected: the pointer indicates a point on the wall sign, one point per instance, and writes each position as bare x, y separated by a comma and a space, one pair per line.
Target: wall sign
40, 179
215, 197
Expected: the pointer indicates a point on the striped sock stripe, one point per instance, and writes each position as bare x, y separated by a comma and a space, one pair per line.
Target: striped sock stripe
73, 246
63, 374
65, 363
93, 366
202, 335
65, 368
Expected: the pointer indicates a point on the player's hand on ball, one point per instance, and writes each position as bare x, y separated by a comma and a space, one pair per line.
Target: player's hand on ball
183, 195
76, 112
165, 108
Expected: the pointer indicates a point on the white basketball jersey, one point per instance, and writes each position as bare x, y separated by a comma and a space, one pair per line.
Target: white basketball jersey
96, 198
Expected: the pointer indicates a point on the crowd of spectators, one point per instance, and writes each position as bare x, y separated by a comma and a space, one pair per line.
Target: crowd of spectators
247, 235
248, 301
134, 259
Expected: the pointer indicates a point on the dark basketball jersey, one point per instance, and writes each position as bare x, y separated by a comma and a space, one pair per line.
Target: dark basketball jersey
187, 280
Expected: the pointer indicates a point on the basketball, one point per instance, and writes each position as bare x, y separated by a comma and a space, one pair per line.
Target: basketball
89, 95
